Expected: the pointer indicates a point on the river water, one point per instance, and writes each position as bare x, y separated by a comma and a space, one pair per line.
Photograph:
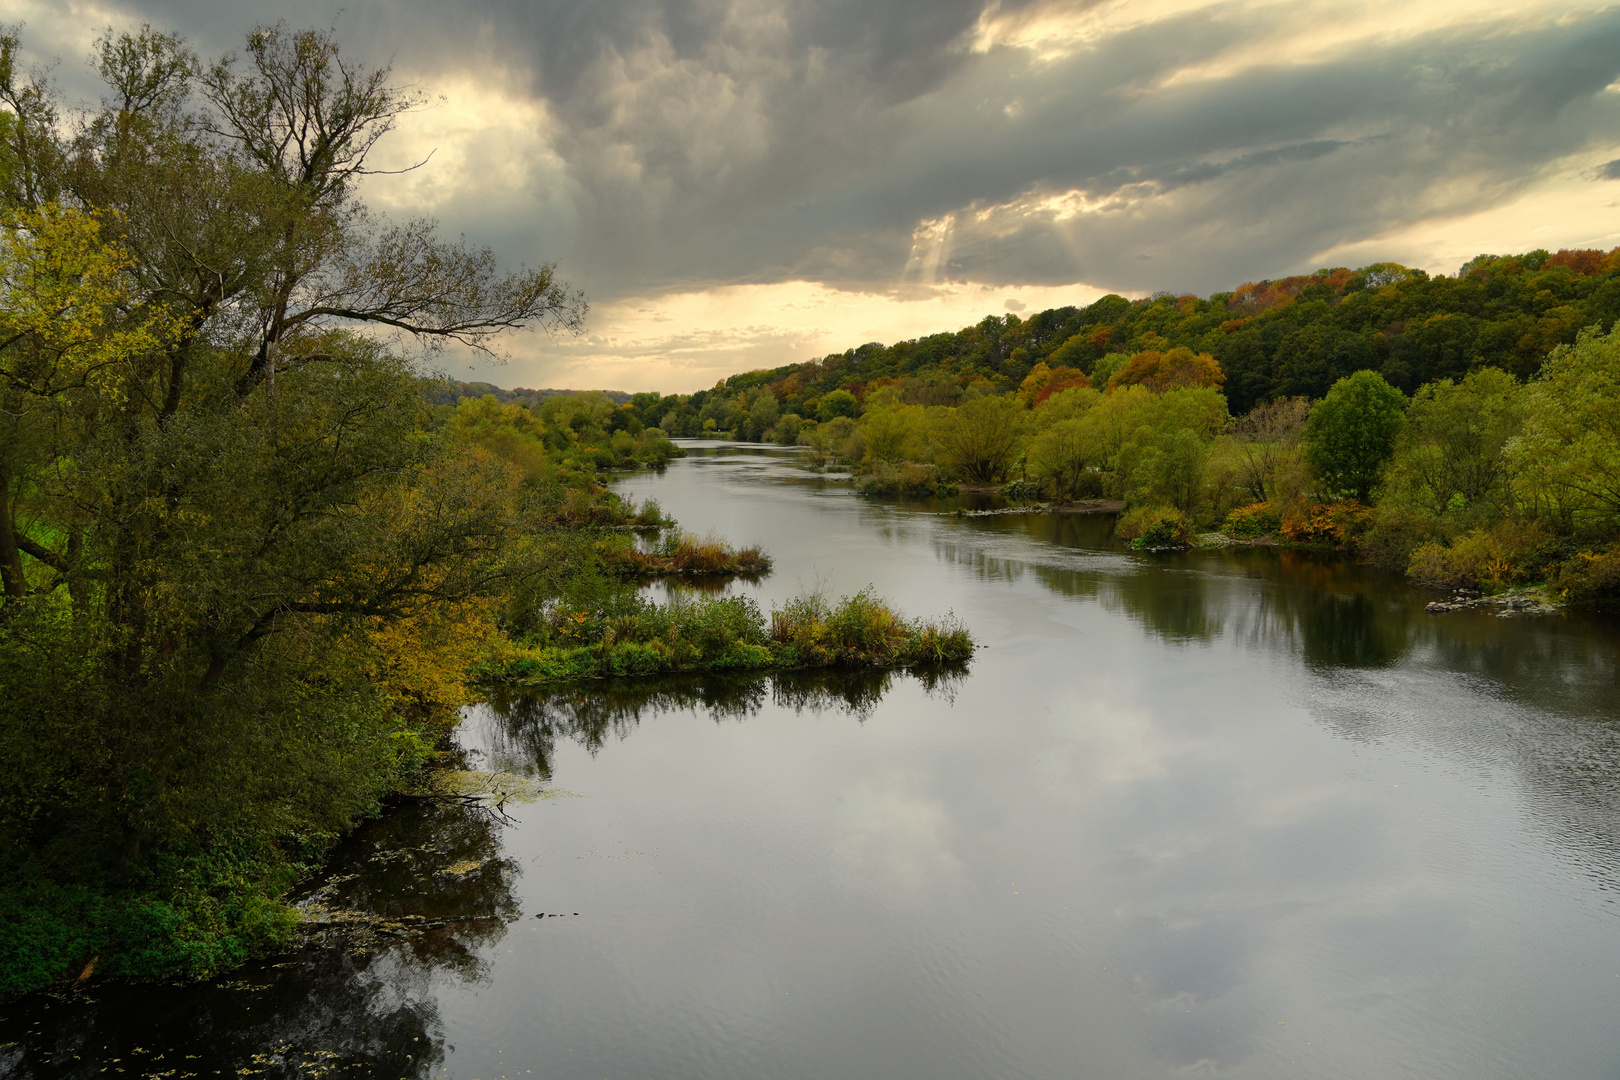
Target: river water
1237, 813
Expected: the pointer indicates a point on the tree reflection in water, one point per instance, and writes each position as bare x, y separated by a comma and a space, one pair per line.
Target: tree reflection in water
1539, 696
358, 1002
523, 729
346, 1004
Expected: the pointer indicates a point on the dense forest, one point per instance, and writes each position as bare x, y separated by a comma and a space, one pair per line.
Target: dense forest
252, 561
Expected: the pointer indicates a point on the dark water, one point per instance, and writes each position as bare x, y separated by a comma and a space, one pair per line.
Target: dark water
1240, 814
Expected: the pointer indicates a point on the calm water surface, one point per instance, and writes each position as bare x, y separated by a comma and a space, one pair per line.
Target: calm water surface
1240, 814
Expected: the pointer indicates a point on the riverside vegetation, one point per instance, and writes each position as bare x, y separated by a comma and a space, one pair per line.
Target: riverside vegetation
250, 559
1462, 429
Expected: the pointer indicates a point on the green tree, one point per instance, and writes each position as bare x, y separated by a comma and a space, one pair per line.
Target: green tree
980, 437
1568, 456
894, 434
1062, 457
1453, 450
1350, 435
763, 412
1170, 471
837, 403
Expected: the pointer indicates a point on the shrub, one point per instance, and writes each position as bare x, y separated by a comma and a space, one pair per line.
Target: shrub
651, 516
912, 478
633, 636
1395, 533
682, 553
1484, 558
216, 909
1021, 491
862, 631
1588, 578
1333, 523
1256, 519
1154, 527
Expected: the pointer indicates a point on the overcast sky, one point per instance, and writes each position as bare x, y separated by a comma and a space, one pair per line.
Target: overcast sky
745, 183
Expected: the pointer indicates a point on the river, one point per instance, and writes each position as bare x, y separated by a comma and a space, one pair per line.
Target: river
1238, 813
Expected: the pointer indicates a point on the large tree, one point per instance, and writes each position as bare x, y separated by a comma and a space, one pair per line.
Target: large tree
217, 493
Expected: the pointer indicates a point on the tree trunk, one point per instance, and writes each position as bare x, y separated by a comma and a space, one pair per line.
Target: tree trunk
12, 579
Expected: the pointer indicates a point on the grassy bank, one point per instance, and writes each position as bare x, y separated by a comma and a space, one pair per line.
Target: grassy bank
630, 635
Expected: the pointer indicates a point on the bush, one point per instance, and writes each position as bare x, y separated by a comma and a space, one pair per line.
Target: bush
1022, 491
628, 634
1588, 578
1155, 527
861, 631
1334, 524
683, 553
196, 916
651, 516
1395, 533
1256, 519
912, 478
1484, 558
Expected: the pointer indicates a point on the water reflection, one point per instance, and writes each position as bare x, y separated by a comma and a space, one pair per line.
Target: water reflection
1539, 696
420, 892
318, 1012
522, 730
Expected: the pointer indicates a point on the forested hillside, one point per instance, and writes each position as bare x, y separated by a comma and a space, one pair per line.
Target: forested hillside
1272, 339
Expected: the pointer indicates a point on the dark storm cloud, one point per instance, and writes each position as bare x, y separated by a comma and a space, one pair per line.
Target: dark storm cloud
762, 140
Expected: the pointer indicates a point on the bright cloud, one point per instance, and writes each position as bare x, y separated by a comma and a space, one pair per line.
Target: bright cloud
686, 341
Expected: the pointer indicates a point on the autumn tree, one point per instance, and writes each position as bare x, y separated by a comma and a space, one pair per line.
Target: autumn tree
1267, 441
1176, 368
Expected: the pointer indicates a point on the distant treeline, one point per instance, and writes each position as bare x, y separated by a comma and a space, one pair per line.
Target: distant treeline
450, 391
1293, 337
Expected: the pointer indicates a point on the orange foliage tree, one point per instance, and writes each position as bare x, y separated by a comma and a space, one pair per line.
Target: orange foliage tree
1042, 382
1170, 370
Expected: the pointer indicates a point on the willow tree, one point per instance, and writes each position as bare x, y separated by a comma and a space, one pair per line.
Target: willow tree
220, 502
